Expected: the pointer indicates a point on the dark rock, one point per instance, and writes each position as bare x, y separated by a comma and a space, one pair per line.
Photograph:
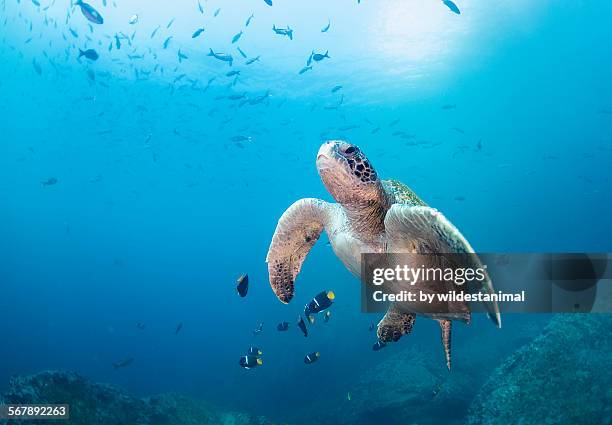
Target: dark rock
562, 377
409, 387
102, 404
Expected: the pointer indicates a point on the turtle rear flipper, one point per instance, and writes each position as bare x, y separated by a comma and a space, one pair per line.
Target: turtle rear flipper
394, 325
411, 227
297, 231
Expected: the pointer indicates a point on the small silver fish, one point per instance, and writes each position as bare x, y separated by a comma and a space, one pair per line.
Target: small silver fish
283, 31
236, 37
252, 60
306, 68
225, 57
326, 28
197, 32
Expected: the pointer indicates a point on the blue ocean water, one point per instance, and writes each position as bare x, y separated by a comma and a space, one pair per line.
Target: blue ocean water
168, 189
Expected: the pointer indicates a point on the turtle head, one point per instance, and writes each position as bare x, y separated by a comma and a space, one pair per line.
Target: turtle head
348, 175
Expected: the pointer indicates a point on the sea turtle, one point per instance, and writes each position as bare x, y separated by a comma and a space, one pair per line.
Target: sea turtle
371, 216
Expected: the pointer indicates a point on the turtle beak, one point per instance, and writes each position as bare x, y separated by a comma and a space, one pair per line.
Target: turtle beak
325, 154
326, 150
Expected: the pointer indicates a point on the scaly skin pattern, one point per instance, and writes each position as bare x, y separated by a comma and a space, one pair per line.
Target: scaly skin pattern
401, 194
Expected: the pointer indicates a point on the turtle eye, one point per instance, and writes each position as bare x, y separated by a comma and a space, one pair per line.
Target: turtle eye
351, 150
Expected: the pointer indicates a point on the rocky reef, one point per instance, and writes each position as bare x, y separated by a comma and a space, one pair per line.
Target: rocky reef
411, 384
562, 377
103, 404
409, 387
553, 374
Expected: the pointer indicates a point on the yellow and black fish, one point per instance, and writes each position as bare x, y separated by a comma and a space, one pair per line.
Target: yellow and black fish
250, 362
322, 301
254, 351
312, 357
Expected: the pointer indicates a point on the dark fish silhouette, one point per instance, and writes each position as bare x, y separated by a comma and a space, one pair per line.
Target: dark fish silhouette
322, 301
90, 54
318, 57
37, 67
123, 363
243, 285
436, 390
225, 57
302, 326
178, 328
89, 12
197, 33
452, 6
306, 68
312, 357
237, 37
50, 181
283, 31
249, 362
252, 60
282, 326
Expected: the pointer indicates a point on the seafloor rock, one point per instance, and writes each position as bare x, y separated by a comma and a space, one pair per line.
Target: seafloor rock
562, 377
409, 387
413, 386
93, 404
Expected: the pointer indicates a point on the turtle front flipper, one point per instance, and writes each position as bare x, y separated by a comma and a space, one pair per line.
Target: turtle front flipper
297, 231
394, 325
445, 326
